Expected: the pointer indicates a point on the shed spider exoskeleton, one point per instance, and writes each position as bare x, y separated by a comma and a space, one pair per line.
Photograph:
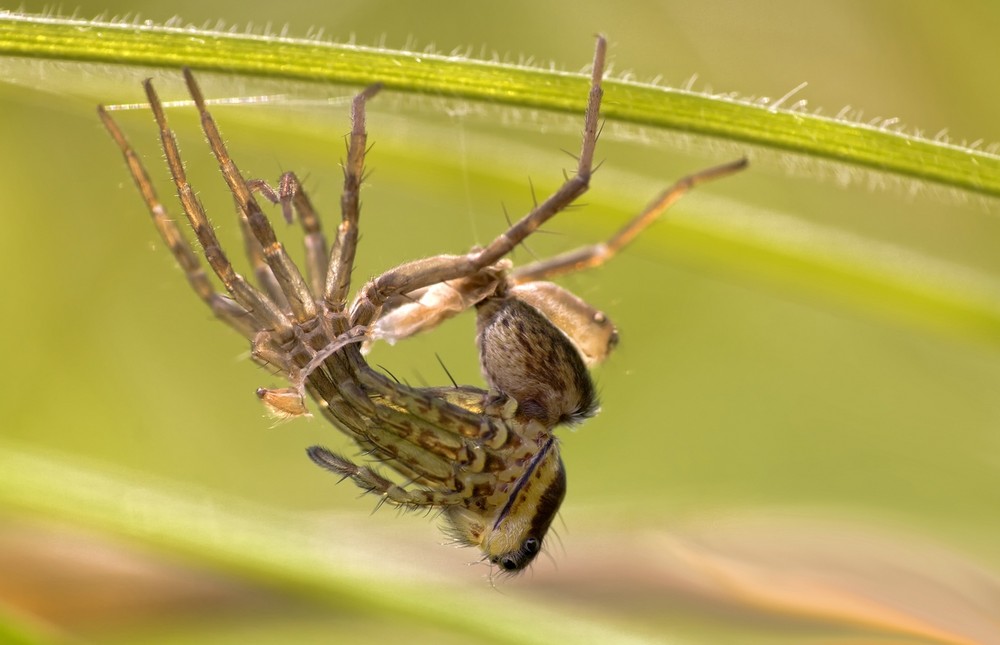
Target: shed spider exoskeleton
487, 459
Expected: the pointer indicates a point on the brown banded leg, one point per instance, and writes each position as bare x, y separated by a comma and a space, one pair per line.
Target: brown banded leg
596, 254
341, 262
421, 273
239, 315
264, 312
261, 271
590, 330
291, 282
371, 482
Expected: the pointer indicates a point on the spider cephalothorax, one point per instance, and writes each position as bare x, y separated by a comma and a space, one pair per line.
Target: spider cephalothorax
487, 458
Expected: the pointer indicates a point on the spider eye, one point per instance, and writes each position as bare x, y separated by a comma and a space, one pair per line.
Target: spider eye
532, 545
508, 563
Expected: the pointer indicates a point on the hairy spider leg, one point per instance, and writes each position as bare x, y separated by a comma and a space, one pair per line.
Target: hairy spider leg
371, 482
255, 253
593, 255
237, 314
341, 265
293, 285
421, 273
290, 195
590, 330
268, 314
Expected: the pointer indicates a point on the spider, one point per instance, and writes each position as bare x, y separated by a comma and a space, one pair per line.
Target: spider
486, 458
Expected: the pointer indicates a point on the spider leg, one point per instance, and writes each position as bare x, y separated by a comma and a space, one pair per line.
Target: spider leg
421, 273
589, 329
341, 264
236, 314
596, 254
266, 314
290, 195
265, 277
292, 284
371, 482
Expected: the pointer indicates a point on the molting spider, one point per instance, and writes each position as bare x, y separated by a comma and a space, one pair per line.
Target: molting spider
487, 459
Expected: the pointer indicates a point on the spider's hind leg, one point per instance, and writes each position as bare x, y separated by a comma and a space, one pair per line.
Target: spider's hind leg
594, 255
588, 328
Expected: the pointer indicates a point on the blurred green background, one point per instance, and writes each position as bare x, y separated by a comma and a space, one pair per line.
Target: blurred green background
753, 419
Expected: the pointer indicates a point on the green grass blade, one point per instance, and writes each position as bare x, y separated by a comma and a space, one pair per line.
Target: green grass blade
760, 124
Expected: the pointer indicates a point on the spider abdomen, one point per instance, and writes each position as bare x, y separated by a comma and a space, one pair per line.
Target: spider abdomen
528, 358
